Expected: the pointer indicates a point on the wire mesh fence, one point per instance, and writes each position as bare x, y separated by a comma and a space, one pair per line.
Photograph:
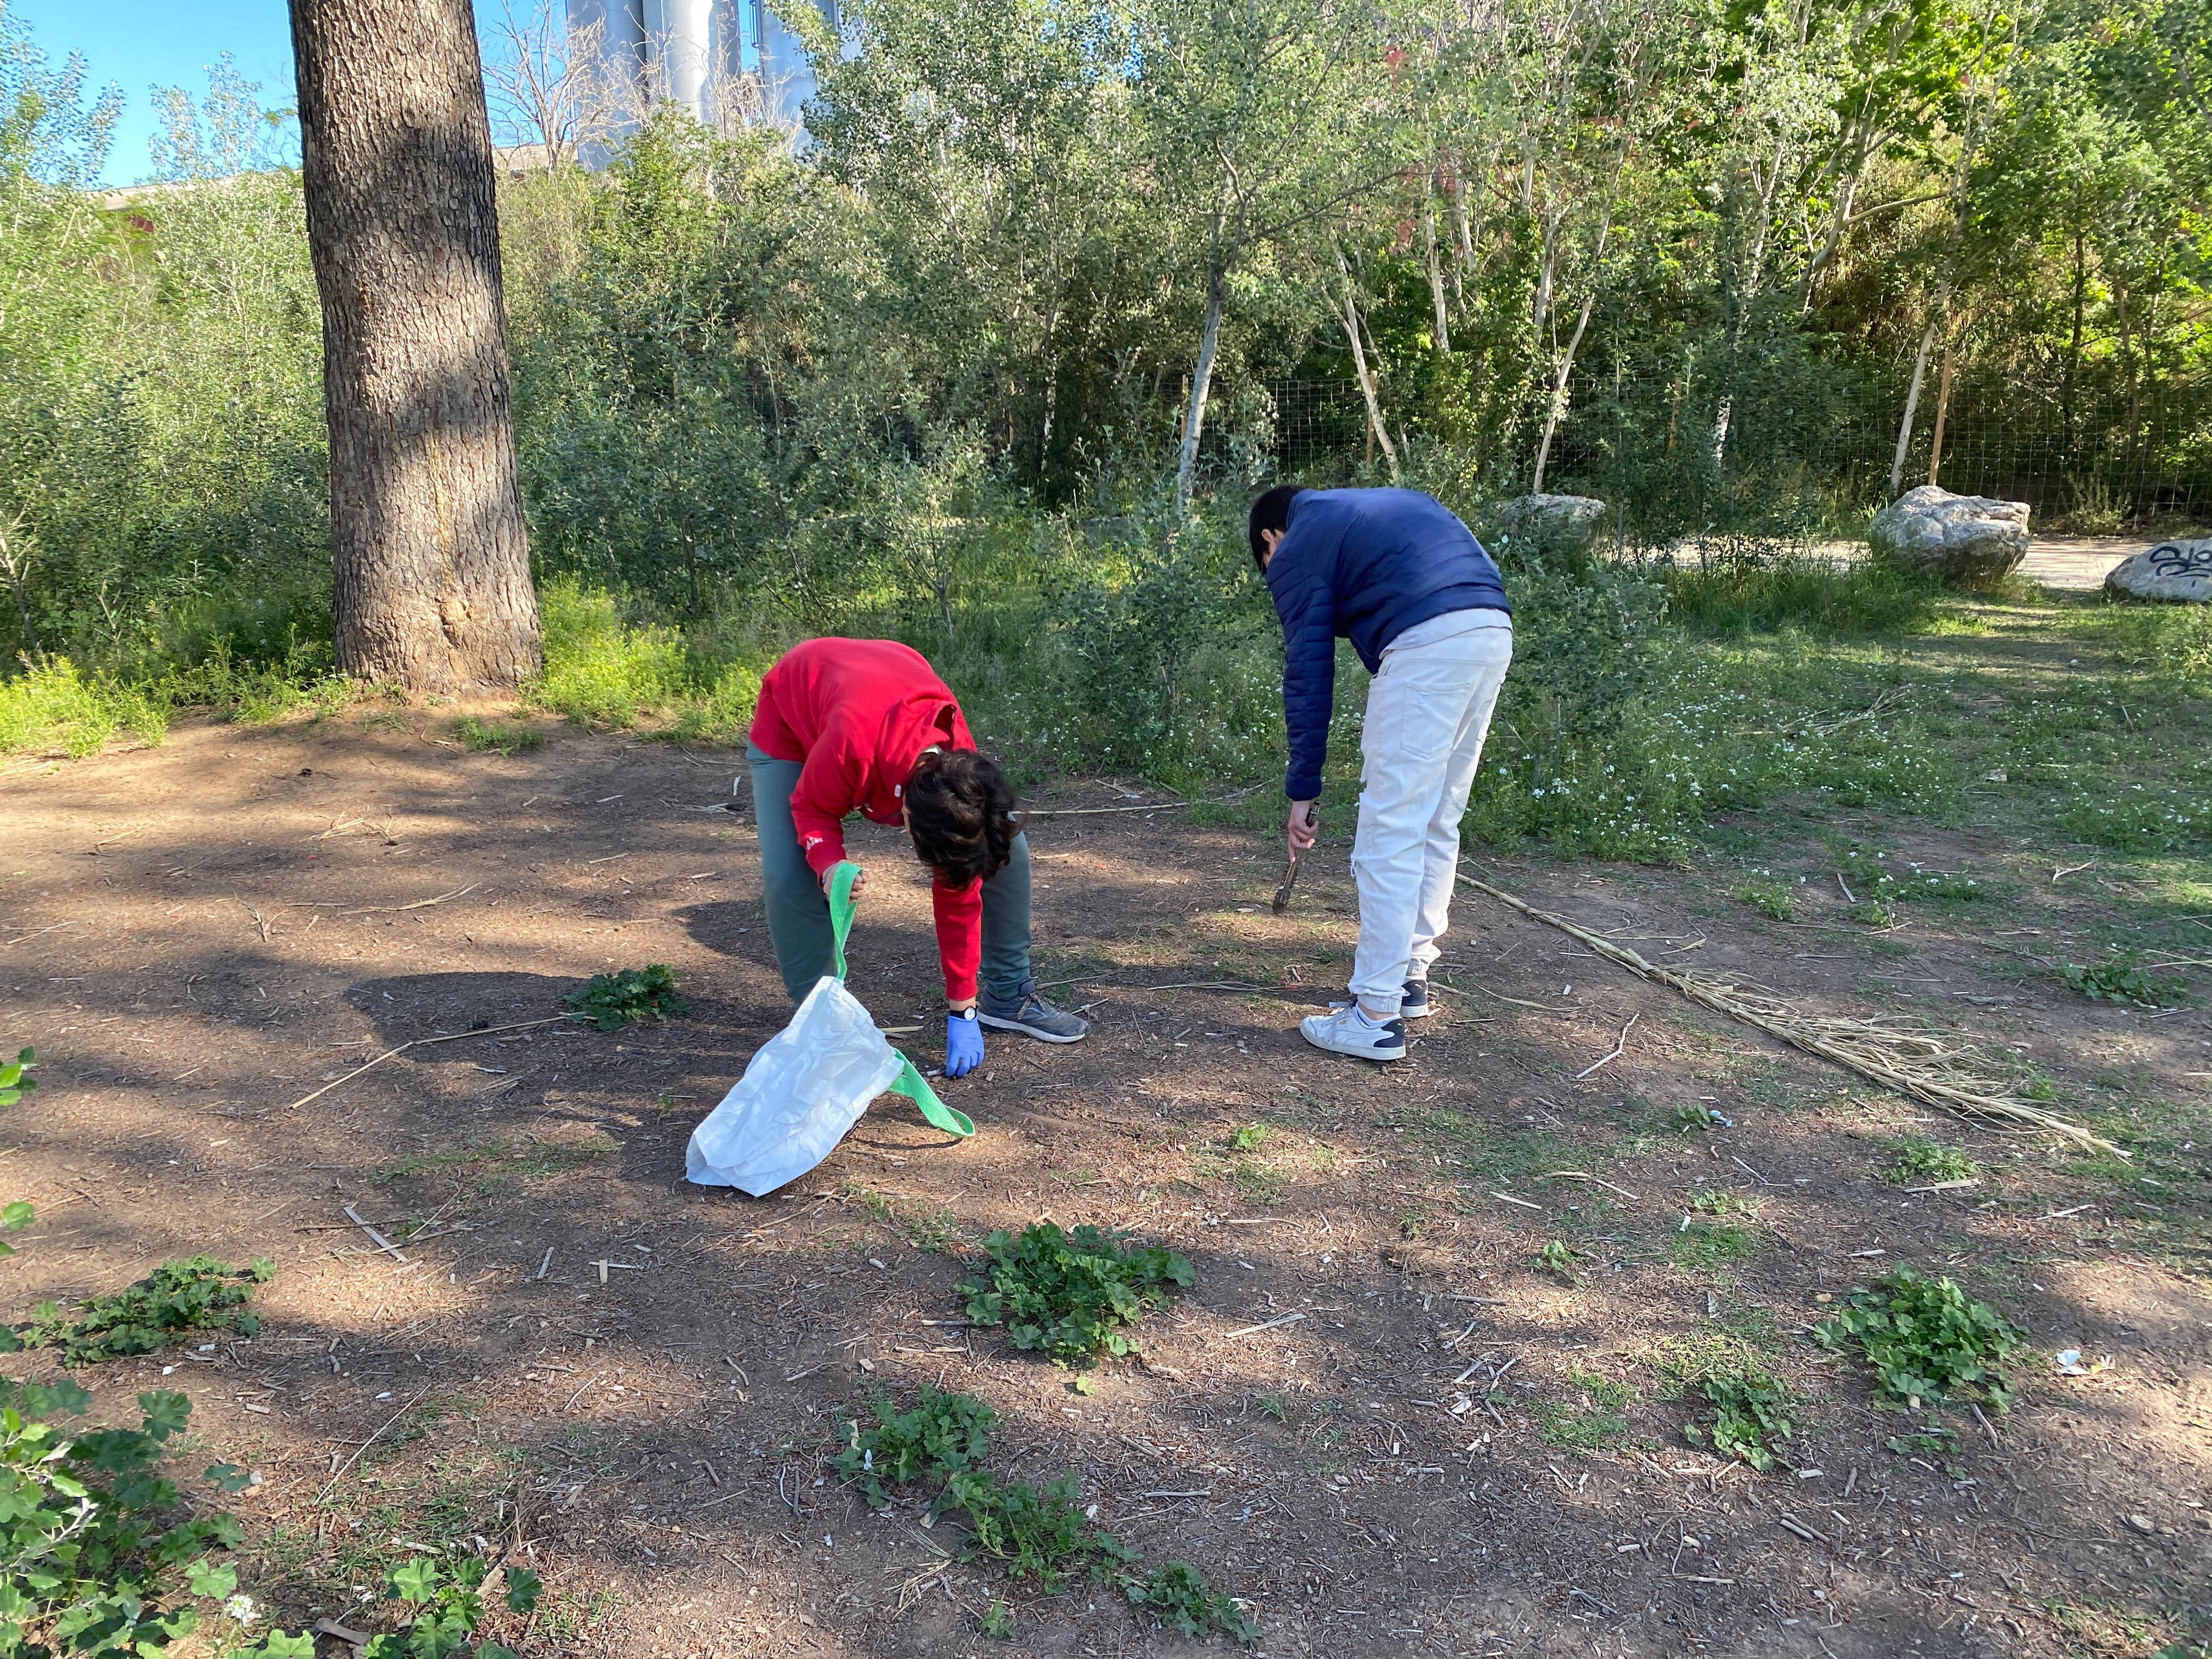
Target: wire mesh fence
1681, 457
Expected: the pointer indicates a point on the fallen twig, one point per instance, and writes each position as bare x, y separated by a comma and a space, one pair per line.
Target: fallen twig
1247, 1330
382, 1243
451, 1036
419, 905
1619, 1048
1579, 1174
1916, 1063
339, 1474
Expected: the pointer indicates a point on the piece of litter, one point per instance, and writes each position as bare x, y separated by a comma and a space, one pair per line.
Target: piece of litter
2069, 1364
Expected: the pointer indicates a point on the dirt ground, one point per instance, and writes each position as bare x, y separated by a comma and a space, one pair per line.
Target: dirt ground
1374, 1418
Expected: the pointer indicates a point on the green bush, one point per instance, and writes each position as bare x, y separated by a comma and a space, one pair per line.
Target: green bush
2121, 977
1924, 1339
611, 1001
1070, 1295
440, 1608
197, 1293
52, 706
600, 670
105, 1554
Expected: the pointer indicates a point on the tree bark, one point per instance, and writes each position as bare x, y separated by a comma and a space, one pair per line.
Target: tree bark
1911, 406
1376, 429
1942, 408
1435, 269
1558, 406
433, 569
1202, 378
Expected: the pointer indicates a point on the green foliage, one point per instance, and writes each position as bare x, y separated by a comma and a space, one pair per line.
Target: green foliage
1717, 1200
1038, 1531
1692, 1116
611, 1001
997, 1622
1766, 597
1704, 1245
1768, 897
439, 1607
1916, 1159
53, 707
1179, 1598
1924, 1339
103, 1554
15, 1079
2121, 977
483, 735
944, 1435
1750, 1411
1554, 1256
1598, 1422
197, 1293
1070, 1295
1248, 1138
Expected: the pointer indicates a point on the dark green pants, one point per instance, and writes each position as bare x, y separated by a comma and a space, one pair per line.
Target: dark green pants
799, 912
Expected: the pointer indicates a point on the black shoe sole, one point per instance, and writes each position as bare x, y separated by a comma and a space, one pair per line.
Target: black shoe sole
998, 1024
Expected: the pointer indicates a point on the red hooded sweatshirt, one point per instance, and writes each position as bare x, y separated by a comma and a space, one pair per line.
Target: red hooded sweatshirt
857, 714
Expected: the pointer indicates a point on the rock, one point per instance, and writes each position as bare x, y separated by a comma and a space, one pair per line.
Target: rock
1563, 524
2177, 571
1961, 538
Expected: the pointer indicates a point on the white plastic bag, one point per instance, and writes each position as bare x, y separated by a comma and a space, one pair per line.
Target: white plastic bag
807, 1084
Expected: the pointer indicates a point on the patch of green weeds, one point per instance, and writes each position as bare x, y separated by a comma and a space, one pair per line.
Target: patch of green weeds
197, 1293
15, 1079
1257, 1182
997, 1622
1694, 1117
1934, 1441
1718, 1200
2121, 977
1274, 1406
1070, 1295
1768, 896
944, 1435
1924, 1339
440, 1608
1039, 1532
1554, 1256
1179, 1598
1750, 1411
483, 735
1700, 1246
1916, 1158
1600, 1421
611, 1001
1248, 1138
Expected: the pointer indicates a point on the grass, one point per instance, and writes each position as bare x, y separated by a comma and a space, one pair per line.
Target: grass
506, 738
1597, 1422
1701, 1246
1767, 896
1916, 1160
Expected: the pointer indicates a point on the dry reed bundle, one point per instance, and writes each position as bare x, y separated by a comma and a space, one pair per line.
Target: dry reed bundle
1920, 1063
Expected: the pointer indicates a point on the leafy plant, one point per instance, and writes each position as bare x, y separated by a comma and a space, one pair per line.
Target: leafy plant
15, 1079
1248, 1138
997, 1622
1039, 1532
1750, 1411
2120, 978
944, 1435
1924, 1339
1178, 1596
1069, 1295
1934, 1441
611, 1001
441, 1608
1768, 897
481, 735
1692, 1116
104, 1554
197, 1293
1718, 1200
1555, 1257
1917, 1158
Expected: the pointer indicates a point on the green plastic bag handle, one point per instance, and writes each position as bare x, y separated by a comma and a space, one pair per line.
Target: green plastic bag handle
909, 1082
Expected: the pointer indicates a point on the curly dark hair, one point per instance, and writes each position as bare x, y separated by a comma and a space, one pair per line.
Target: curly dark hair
960, 811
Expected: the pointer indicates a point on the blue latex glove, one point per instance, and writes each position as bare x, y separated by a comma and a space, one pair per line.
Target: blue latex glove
964, 1045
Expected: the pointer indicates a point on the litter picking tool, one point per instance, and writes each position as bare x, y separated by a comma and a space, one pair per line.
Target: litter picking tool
809, 1083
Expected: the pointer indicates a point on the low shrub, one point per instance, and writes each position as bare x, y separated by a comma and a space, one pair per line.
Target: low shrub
1916, 1158
611, 1001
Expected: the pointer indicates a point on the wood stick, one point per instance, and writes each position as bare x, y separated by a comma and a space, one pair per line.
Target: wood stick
1618, 1049
1247, 1330
382, 1243
454, 1036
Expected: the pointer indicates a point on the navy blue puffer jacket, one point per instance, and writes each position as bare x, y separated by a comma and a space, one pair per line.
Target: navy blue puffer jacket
1363, 565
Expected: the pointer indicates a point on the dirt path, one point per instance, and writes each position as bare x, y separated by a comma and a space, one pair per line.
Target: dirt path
1422, 1444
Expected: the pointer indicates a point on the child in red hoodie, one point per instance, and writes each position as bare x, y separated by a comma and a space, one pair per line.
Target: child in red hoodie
867, 726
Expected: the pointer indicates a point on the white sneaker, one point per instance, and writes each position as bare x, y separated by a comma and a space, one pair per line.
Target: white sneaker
1349, 1031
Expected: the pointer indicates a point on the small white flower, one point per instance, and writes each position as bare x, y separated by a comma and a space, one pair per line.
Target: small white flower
241, 1609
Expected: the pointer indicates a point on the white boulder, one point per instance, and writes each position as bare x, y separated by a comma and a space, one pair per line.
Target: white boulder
1565, 524
1961, 538
2174, 571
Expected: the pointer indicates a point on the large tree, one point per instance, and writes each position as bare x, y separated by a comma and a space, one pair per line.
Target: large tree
433, 572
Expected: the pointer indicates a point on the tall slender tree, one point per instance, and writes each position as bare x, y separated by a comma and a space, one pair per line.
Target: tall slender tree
433, 570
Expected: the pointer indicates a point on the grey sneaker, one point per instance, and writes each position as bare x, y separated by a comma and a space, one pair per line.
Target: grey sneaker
1032, 1016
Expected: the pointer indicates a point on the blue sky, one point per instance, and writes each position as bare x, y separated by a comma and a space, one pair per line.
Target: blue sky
143, 43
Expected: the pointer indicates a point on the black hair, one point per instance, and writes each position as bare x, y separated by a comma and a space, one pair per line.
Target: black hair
1271, 512
960, 811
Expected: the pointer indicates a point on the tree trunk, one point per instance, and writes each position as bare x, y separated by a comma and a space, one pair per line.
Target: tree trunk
1435, 269
2074, 348
433, 570
1942, 409
1376, 429
1201, 379
1558, 400
1911, 407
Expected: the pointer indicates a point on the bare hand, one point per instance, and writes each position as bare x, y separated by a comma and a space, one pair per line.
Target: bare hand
860, 881
1304, 827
